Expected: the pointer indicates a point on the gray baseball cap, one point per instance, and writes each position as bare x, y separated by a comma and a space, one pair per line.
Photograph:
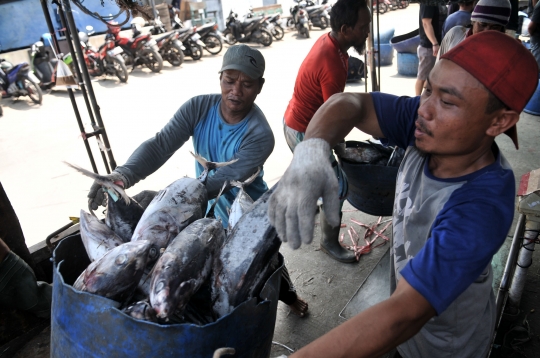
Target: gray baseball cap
244, 59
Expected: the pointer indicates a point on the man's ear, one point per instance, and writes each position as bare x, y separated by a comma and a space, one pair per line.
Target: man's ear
261, 84
503, 120
344, 30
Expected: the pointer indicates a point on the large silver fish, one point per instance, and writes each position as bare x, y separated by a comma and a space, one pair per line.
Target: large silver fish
243, 258
123, 217
175, 207
117, 273
242, 202
97, 237
184, 266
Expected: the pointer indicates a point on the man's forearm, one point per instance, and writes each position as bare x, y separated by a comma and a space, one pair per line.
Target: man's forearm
430, 32
340, 114
376, 330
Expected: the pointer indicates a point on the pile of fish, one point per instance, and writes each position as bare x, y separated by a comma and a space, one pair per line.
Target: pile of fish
168, 263
370, 152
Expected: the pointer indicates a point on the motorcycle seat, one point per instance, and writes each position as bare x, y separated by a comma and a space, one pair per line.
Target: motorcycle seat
205, 26
183, 30
251, 19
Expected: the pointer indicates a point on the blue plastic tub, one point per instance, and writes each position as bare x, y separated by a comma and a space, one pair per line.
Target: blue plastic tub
533, 107
407, 64
385, 35
87, 325
407, 43
387, 55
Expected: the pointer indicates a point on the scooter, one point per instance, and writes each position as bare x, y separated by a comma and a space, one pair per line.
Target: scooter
43, 64
250, 30
191, 40
299, 19
140, 49
272, 24
170, 48
211, 37
107, 60
318, 14
18, 81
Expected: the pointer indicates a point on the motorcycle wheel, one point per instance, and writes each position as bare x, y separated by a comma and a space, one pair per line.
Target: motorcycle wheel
176, 55
306, 32
153, 60
196, 52
229, 37
290, 22
266, 37
34, 92
120, 69
1, 111
324, 22
278, 32
382, 8
213, 43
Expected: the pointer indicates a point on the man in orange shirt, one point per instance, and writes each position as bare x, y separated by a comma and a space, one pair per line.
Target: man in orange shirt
322, 74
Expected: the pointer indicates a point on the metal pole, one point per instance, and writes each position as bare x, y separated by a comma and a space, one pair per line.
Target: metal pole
509, 267
73, 29
76, 67
378, 52
70, 91
50, 25
525, 260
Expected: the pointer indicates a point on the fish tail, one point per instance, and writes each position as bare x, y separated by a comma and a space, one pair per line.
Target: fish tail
210, 213
208, 165
103, 181
248, 181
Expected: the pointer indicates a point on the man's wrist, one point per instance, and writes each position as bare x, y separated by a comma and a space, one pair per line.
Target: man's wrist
435, 45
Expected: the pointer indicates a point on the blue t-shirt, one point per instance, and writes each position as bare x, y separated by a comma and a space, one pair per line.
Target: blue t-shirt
459, 18
445, 233
251, 141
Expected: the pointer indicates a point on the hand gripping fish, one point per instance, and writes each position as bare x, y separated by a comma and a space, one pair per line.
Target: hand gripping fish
184, 266
175, 207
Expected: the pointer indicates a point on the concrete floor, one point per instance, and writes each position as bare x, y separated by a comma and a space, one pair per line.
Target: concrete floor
34, 140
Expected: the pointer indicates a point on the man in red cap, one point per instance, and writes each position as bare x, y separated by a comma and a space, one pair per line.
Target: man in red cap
454, 200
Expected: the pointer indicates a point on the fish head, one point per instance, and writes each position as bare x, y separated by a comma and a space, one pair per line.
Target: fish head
160, 294
141, 310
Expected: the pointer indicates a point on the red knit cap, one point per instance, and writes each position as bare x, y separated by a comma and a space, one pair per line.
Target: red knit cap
502, 64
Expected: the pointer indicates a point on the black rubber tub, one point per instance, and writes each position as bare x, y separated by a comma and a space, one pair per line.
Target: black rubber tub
371, 187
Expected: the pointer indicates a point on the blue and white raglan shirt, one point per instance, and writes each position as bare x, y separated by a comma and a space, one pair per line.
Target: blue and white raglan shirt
445, 233
251, 141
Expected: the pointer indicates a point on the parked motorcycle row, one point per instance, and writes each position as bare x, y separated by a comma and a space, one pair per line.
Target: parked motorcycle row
387, 5
120, 54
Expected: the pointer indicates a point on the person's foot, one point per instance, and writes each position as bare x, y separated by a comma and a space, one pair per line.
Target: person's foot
299, 307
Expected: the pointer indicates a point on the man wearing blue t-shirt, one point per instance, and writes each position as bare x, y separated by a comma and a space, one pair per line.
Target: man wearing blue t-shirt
453, 206
223, 127
459, 18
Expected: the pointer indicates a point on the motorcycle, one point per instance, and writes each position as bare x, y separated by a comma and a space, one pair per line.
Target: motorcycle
211, 37
272, 24
43, 65
106, 60
381, 8
193, 46
139, 50
249, 30
317, 14
17, 81
170, 48
299, 19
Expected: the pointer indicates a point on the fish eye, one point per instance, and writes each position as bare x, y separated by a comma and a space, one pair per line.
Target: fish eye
120, 259
160, 286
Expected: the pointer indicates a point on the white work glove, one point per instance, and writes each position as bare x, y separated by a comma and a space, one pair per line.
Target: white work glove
293, 205
96, 195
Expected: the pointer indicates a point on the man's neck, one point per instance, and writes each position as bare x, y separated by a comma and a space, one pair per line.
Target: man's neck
232, 117
446, 167
343, 45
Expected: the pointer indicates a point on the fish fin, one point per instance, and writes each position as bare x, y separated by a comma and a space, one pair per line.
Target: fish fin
210, 213
103, 181
206, 164
248, 181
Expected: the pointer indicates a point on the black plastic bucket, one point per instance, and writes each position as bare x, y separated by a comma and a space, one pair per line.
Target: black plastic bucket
371, 187
407, 43
87, 325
